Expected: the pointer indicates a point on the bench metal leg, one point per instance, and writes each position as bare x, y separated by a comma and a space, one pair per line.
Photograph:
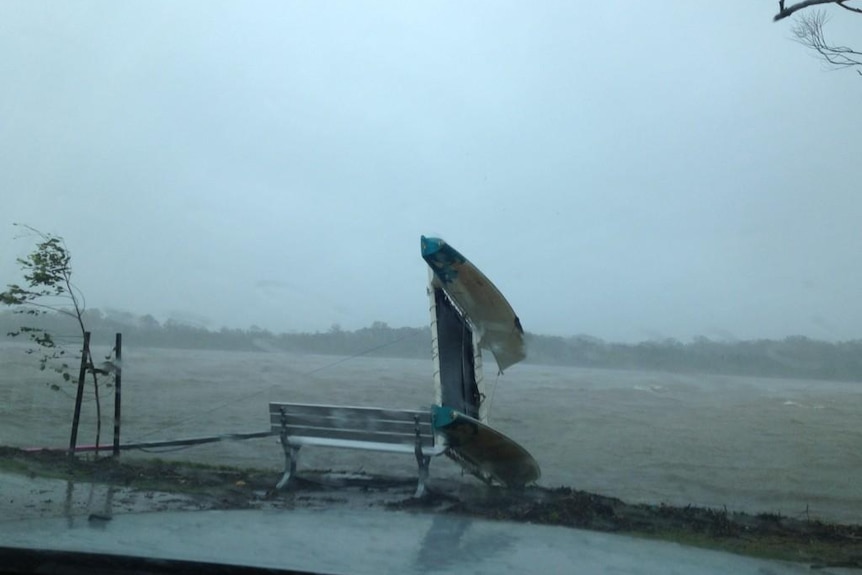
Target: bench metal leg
291, 455
422, 461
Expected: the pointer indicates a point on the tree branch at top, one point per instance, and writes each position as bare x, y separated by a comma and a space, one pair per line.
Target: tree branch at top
785, 11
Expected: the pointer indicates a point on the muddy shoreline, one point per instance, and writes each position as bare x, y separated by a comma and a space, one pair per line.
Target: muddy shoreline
196, 486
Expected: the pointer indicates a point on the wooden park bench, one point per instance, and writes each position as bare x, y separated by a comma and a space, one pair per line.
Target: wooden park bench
369, 428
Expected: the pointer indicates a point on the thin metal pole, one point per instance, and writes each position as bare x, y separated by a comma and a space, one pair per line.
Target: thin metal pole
85, 352
118, 379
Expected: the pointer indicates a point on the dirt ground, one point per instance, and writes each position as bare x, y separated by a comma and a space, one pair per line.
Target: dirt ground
154, 485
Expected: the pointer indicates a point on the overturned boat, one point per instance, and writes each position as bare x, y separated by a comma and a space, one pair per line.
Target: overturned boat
468, 314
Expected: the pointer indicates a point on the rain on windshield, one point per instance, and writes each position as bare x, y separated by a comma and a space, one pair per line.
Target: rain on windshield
647, 215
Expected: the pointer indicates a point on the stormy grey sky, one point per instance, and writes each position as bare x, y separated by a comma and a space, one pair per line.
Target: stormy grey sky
628, 170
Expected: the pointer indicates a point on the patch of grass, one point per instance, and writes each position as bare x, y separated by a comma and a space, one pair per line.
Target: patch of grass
143, 474
771, 547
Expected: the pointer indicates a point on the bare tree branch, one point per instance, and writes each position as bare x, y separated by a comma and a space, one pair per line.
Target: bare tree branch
852, 9
784, 12
809, 32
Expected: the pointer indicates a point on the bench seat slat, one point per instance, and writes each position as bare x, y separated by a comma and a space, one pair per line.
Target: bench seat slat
429, 450
297, 431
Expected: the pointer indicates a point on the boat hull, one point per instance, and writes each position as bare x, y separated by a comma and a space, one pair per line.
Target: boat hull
484, 451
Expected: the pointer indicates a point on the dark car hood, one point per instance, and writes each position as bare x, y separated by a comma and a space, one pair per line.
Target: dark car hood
374, 541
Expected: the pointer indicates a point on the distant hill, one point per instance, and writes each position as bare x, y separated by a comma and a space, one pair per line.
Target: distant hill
795, 356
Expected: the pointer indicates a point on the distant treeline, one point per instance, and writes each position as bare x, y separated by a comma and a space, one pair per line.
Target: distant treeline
796, 356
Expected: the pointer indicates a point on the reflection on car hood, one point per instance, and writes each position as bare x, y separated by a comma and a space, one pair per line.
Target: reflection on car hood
359, 542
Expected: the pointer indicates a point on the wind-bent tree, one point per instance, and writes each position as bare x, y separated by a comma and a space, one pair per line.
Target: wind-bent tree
48, 288
809, 31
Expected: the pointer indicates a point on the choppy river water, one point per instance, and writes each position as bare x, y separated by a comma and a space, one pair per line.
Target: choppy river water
752, 444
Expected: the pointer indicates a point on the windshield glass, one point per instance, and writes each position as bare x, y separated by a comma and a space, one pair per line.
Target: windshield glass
646, 214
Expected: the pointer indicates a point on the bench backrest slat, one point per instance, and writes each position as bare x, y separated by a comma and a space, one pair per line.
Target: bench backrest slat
336, 410
351, 421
